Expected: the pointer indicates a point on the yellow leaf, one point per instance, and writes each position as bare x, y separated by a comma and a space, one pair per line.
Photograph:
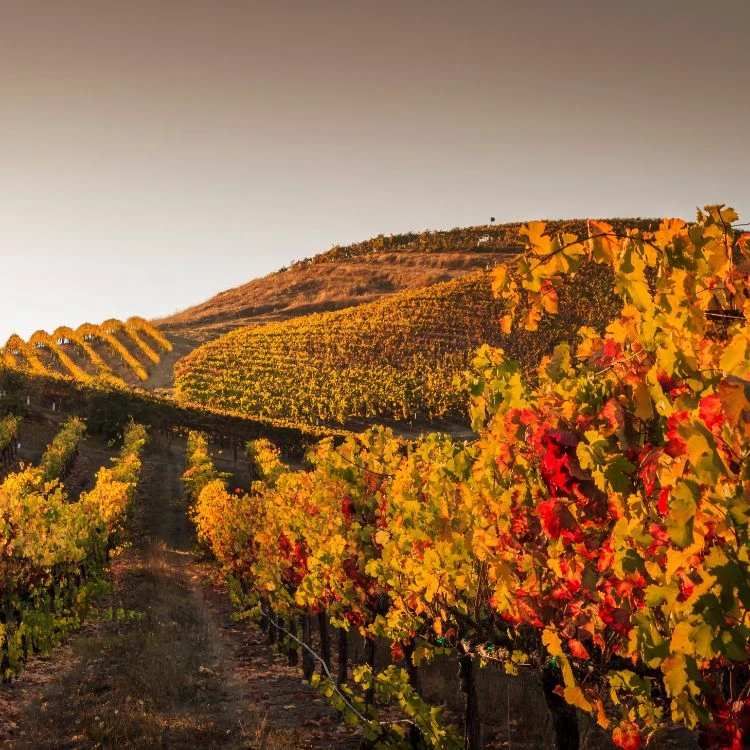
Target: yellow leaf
499, 280
601, 717
680, 643
553, 643
533, 316
603, 245
642, 397
734, 360
537, 240
675, 674
574, 696
382, 537
734, 395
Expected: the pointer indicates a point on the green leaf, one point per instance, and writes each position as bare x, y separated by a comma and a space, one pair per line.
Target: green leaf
618, 473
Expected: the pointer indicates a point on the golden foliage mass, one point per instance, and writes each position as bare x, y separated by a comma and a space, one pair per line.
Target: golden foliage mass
73, 353
398, 358
598, 531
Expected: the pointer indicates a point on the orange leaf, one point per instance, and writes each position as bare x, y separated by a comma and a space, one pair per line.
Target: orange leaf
577, 649
627, 736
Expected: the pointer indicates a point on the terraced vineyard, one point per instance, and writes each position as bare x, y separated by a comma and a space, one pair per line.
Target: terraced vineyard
400, 358
492, 237
122, 351
588, 545
594, 538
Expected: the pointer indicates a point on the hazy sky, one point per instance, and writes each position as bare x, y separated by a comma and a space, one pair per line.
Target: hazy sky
154, 152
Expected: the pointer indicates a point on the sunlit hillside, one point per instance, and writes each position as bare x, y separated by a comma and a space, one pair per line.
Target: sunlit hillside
359, 273
398, 358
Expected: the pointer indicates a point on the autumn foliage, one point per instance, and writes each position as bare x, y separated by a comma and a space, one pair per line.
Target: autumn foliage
53, 547
88, 351
398, 358
595, 533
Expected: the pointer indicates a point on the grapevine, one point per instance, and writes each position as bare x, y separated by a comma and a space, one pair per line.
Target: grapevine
398, 358
18, 354
53, 548
597, 531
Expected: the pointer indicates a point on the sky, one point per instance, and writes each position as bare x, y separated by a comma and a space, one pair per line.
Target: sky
153, 153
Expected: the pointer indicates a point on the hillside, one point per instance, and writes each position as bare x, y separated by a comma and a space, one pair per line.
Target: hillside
359, 273
593, 522
396, 358
304, 289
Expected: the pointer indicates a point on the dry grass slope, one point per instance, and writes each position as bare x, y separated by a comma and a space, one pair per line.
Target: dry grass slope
302, 290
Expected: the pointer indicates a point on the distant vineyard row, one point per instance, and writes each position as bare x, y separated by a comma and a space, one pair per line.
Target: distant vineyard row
490, 236
89, 350
399, 358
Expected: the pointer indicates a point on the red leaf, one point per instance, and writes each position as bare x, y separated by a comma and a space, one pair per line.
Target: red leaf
549, 510
627, 736
613, 415
606, 556
578, 650
675, 445
663, 504
711, 412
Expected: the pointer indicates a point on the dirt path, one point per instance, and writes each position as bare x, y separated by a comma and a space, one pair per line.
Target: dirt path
161, 376
181, 674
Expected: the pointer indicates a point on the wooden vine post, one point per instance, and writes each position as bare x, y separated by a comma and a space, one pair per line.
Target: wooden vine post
416, 740
325, 641
370, 653
292, 652
472, 723
563, 715
308, 664
342, 676
272, 630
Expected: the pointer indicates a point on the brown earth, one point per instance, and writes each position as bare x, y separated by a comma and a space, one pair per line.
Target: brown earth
161, 375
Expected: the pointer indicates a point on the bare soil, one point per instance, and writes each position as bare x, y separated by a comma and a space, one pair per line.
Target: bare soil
161, 376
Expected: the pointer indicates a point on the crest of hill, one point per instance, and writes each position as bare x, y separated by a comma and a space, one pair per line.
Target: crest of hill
360, 273
397, 359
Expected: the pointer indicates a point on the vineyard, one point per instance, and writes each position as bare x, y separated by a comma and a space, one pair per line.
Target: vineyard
588, 542
493, 237
54, 548
116, 350
8, 440
399, 359
595, 535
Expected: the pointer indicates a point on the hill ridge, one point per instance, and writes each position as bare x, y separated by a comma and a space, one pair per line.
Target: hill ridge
358, 273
